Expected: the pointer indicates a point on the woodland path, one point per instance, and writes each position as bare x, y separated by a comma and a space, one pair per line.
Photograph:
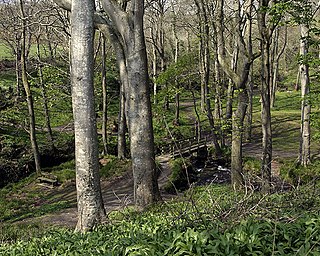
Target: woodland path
117, 194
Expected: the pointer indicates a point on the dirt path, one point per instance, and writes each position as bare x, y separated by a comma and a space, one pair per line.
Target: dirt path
117, 194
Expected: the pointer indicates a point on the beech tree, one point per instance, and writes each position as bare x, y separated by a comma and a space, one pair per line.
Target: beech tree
90, 204
124, 24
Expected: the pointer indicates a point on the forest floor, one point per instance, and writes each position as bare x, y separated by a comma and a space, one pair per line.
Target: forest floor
118, 193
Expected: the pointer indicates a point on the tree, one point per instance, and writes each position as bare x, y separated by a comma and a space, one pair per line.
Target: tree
265, 42
104, 94
304, 152
304, 15
90, 204
238, 72
26, 85
204, 58
124, 24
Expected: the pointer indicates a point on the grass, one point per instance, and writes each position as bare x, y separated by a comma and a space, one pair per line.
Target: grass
6, 52
7, 80
27, 199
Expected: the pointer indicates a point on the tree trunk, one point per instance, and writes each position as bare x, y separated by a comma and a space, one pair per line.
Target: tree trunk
304, 152
104, 96
146, 189
122, 124
89, 198
154, 68
265, 98
26, 85
248, 122
277, 54
237, 134
17, 70
45, 100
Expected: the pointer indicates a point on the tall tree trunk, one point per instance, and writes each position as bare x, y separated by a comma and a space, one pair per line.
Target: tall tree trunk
127, 34
26, 85
146, 189
17, 70
154, 68
237, 134
248, 118
277, 54
89, 198
304, 152
45, 100
104, 96
265, 97
176, 55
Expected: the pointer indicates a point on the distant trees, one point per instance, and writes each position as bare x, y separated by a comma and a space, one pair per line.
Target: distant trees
223, 39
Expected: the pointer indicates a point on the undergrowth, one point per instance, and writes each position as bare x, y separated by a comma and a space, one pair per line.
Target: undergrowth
210, 220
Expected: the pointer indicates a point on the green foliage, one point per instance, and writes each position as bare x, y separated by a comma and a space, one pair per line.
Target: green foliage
10, 233
183, 71
5, 52
251, 165
297, 174
178, 179
112, 166
210, 220
64, 171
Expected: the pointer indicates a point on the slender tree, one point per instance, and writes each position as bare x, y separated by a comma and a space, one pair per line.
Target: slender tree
238, 74
104, 95
26, 85
304, 152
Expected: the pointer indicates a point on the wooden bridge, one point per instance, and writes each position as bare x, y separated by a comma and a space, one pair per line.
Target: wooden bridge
184, 147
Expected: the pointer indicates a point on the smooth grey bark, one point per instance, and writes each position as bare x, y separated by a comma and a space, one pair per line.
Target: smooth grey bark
304, 152
129, 25
237, 179
238, 74
122, 125
154, 74
26, 85
89, 199
126, 30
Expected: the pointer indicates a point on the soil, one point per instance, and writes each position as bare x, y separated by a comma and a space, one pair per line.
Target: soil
117, 194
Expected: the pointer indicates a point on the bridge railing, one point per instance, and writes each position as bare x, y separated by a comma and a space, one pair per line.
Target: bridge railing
183, 147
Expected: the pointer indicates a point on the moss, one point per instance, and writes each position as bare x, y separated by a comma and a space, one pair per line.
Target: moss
179, 179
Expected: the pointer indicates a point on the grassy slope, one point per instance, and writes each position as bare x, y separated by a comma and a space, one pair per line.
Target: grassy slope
210, 220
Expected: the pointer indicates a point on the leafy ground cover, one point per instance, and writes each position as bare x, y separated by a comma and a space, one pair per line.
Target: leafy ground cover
210, 220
